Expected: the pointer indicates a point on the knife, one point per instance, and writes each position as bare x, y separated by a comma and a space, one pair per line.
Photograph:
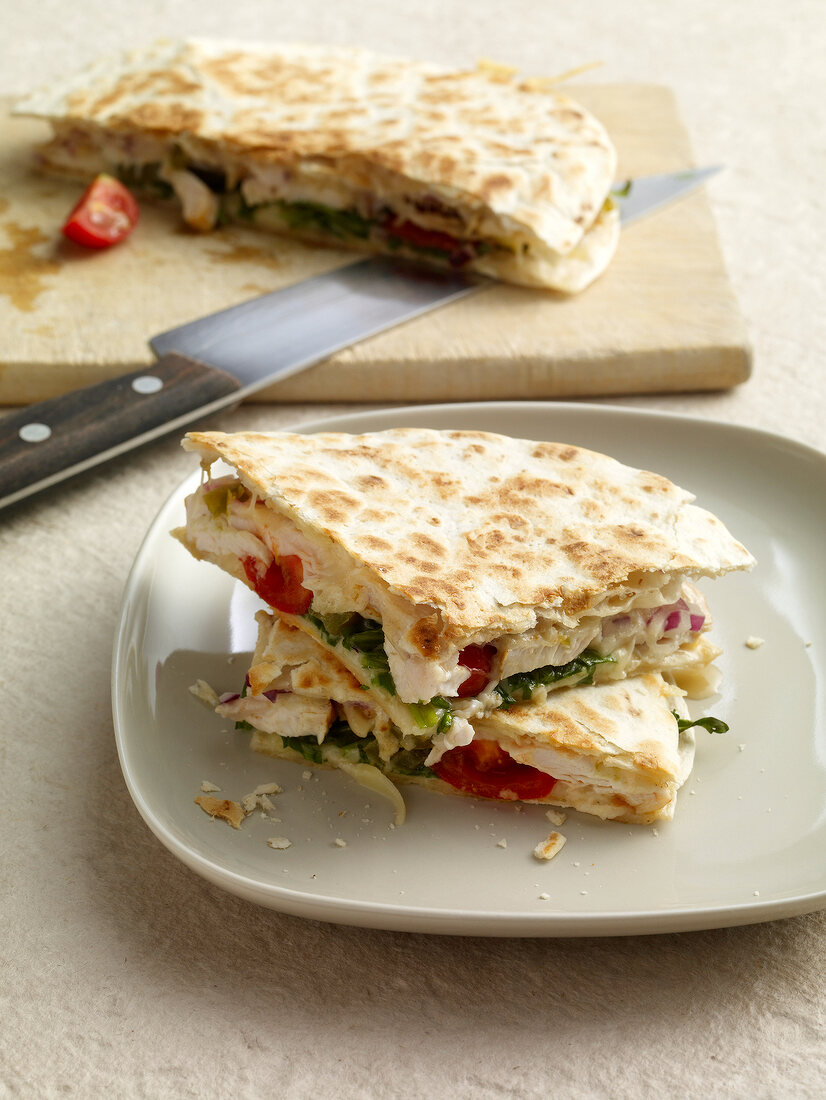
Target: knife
217, 361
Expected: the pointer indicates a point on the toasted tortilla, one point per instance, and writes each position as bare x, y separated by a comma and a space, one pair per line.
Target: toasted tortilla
481, 154
482, 533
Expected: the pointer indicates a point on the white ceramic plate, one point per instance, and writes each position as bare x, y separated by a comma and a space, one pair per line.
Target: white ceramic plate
749, 835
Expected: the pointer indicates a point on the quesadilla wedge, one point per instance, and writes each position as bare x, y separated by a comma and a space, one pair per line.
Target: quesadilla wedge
476, 169
456, 574
615, 750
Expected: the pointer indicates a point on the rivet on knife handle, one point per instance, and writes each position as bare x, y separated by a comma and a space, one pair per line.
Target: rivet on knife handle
47, 442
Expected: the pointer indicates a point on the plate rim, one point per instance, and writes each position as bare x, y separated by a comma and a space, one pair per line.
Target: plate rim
428, 919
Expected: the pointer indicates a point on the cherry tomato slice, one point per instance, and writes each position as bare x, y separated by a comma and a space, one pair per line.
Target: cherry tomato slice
422, 238
280, 584
484, 769
479, 659
106, 213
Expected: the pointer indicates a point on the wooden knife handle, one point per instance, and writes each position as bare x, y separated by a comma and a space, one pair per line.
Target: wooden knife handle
47, 442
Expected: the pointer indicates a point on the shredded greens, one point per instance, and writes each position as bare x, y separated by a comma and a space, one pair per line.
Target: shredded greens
410, 762
144, 177
340, 737
243, 725
435, 713
366, 637
362, 636
395, 243
711, 725
341, 743
519, 687
326, 219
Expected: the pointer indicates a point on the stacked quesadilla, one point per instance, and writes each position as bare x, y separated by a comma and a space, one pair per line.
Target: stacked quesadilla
476, 169
488, 615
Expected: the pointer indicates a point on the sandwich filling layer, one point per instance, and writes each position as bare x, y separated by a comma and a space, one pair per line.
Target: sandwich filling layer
407, 219
615, 750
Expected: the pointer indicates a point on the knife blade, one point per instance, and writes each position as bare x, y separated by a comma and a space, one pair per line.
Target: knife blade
216, 361
644, 195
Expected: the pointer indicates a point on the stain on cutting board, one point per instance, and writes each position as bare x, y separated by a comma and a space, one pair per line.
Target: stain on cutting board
236, 253
27, 262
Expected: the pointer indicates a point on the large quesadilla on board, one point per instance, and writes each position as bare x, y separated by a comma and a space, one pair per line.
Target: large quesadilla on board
458, 574
619, 750
478, 169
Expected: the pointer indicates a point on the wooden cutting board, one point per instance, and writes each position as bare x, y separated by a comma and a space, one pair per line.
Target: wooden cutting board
663, 317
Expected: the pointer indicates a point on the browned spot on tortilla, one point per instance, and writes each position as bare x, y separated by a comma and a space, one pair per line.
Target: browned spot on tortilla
426, 544
555, 450
371, 515
161, 118
424, 635
539, 487
513, 521
651, 483
155, 83
24, 276
332, 505
428, 589
484, 542
445, 485
373, 542
370, 481
574, 604
497, 182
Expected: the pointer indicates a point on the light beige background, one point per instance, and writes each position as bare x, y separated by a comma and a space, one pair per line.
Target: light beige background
122, 973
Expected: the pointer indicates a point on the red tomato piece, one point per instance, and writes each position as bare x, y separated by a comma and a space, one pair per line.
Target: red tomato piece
422, 238
479, 659
484, 769
106, 213
280, 585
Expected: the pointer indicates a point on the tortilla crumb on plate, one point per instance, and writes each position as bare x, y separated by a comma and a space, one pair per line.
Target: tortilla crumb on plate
278, 842
551, 846
224, 808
